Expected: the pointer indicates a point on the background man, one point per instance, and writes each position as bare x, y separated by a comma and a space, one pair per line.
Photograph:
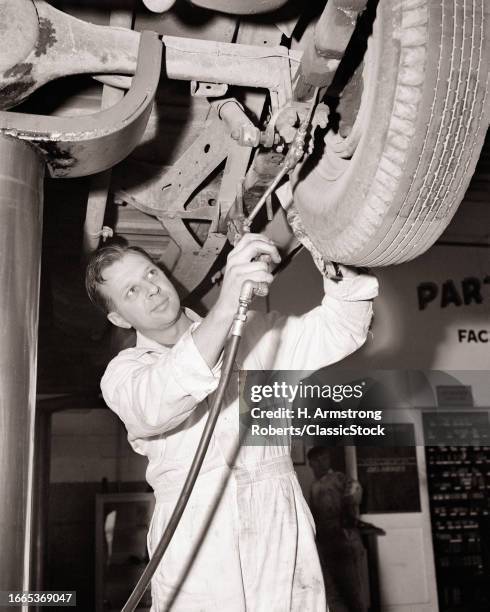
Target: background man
334, 501
246, 539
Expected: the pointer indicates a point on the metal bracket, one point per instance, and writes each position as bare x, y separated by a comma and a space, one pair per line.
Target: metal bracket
85, 145
171, 191
171, 201
201, 89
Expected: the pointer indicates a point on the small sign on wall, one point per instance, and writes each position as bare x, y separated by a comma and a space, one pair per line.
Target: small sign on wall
454, 395
389, 477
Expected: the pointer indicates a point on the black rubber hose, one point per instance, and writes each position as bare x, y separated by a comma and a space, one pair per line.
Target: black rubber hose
230, 352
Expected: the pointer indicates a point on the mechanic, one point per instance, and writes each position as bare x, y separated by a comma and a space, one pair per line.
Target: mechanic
246, 539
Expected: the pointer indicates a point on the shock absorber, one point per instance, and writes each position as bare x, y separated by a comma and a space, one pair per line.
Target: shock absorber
294, 155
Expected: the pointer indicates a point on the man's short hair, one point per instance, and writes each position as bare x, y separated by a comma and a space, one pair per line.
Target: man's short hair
101, 259
317, 452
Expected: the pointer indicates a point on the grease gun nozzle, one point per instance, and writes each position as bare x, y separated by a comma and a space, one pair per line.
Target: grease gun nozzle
247, 292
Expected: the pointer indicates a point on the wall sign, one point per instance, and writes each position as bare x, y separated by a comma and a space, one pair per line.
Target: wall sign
389, 477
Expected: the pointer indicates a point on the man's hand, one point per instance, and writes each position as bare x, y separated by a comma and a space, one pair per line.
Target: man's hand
241, 266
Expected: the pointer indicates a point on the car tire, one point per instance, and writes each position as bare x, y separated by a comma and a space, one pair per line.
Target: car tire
384, 193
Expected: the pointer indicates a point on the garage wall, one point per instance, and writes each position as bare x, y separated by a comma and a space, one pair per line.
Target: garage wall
91, 445
89, 455
411, 329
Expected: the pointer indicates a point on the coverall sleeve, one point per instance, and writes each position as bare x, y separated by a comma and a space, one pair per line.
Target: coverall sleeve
326, 334
153, 396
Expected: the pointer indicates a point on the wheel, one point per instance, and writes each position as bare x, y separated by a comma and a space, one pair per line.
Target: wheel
383, 193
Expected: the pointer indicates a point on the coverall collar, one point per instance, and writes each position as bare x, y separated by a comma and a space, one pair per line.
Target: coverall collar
147, 343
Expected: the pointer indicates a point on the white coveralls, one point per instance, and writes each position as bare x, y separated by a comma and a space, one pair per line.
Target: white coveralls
246, 540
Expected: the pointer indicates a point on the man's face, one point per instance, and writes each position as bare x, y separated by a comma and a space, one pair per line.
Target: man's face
320, 465
141, 294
